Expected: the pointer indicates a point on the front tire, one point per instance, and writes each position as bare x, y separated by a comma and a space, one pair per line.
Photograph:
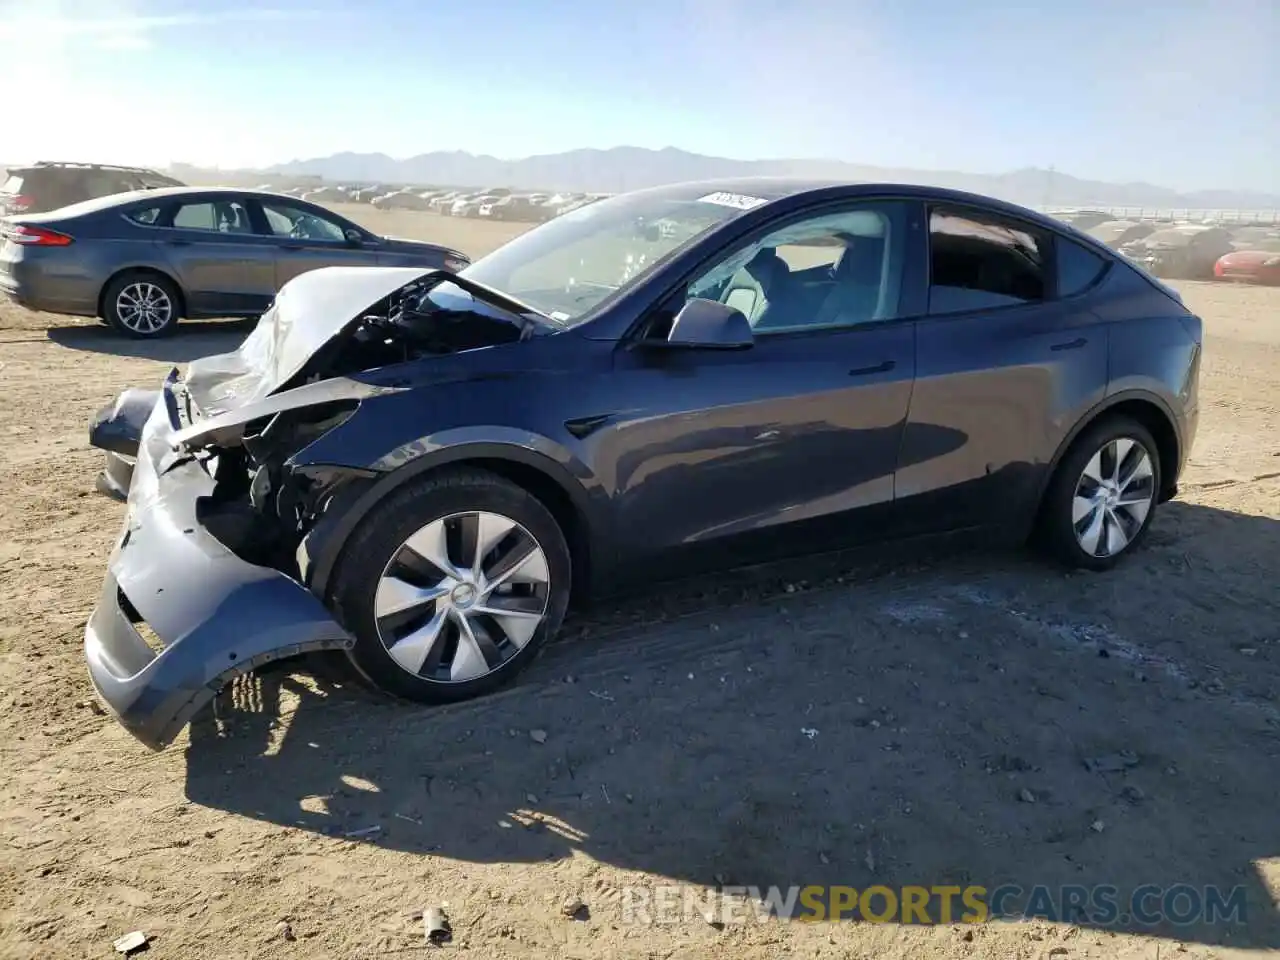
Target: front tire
142, 306
1102, 498
452, 586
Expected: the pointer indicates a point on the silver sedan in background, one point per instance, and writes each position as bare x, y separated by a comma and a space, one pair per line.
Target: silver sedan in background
141, 261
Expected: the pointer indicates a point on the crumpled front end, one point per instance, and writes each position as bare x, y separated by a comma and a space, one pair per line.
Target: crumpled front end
180, 613
206, 580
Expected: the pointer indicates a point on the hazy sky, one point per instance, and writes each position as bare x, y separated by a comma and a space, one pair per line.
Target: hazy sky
1184, 93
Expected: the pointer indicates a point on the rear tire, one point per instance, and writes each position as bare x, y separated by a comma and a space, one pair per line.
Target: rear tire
1102, 498
434, 622
142, 306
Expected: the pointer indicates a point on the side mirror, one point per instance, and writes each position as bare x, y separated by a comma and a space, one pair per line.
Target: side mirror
354, 237
710, 325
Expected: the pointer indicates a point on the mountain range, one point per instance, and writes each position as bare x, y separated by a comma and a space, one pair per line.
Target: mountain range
629, 168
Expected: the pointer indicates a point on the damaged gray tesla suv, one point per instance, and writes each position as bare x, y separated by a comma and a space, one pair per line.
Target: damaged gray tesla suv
420, 468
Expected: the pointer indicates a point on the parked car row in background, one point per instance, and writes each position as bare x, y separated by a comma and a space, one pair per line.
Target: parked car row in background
1185, 250
494, 203
1164, 244
140, 250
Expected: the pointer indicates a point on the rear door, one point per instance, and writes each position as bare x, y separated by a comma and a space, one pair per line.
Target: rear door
306, 237
1003, 360
224, 266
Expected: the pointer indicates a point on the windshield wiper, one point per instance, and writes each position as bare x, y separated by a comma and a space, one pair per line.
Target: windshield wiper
528, 317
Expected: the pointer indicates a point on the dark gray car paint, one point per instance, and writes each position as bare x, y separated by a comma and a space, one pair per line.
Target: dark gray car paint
217, 274
660, 452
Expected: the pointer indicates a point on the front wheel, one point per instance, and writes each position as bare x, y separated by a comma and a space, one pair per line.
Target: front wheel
1103, 496
452, 586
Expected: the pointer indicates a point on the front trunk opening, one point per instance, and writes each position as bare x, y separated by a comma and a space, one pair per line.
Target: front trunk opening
423, 319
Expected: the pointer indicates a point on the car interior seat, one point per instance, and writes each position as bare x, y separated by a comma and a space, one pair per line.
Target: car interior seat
758, 286
855, 294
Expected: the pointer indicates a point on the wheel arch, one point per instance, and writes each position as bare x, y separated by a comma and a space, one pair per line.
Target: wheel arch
1147, 409
142, 270
548, 481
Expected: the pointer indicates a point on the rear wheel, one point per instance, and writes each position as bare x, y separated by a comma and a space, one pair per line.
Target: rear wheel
141, 305
452, 586
1103, 497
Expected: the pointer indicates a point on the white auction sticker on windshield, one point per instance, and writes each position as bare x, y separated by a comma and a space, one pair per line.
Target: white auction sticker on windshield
738, 201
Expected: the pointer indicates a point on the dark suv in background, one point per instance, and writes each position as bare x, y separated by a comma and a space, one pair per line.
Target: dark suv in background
48, 185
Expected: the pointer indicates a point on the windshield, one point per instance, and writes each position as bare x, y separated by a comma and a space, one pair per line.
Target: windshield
567, 266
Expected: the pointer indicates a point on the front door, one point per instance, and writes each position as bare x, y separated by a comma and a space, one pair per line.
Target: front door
307, 239
796, 436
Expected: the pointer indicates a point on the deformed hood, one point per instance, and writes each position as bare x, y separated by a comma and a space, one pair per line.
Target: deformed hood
308, 312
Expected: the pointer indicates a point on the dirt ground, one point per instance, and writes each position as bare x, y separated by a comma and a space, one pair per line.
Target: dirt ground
925, 720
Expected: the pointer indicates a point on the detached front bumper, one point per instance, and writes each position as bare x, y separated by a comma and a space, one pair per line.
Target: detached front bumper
213, 615
117, 429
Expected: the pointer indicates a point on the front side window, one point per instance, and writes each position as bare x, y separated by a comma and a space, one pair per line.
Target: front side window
977, 262
301, 224
570, 265
830, 271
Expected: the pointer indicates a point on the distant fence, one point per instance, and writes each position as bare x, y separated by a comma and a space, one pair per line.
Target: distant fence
1252, 218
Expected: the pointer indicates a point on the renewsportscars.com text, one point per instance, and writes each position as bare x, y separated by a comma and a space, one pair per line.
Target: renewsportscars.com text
1099, 905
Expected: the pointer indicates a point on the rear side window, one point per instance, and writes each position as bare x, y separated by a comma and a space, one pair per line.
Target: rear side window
12, 185
1078, 267
978, 262
228, 216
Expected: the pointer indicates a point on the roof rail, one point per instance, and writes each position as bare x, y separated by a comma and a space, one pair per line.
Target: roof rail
96, 166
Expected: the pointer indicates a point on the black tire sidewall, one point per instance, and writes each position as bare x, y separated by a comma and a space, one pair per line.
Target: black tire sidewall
112, 293
389, 525
1058, 530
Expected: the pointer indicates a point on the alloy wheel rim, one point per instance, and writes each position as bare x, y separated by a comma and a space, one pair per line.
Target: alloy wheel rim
1113, 497
144, 307
462, 596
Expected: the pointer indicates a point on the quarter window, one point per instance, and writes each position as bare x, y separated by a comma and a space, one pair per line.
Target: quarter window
831, 271
981, 263
147, 216
1078, 267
